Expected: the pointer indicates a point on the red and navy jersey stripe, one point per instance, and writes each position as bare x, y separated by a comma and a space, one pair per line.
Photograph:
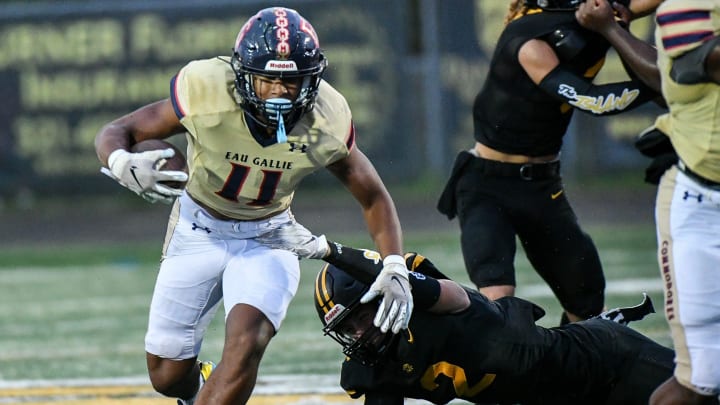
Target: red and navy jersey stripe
179, 111
683, 38
350, 142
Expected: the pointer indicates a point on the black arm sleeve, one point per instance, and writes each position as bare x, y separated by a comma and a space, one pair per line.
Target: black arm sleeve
364, 265
604, 99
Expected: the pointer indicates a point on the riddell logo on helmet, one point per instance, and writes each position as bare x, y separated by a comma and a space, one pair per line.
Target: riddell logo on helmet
281, 65
333, 313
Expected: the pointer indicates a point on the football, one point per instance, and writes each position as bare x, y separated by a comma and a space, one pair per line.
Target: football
176, 162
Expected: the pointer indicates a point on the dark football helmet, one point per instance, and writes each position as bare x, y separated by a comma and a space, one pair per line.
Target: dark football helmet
554, 5
337, 297
277, 42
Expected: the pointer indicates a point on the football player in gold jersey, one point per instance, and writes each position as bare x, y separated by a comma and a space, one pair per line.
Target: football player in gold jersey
687, 209
257, 123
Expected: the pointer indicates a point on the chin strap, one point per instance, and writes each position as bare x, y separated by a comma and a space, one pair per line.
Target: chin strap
281, 135
278, 106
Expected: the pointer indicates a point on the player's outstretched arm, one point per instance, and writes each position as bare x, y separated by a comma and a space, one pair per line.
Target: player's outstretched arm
639, 56
297, 239
437, 296
359, 176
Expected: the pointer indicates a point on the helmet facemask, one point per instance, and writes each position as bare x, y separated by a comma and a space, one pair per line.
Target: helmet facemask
277, 43
368, 347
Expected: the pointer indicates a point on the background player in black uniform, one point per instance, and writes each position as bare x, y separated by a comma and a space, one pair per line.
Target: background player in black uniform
509, 183
461, 345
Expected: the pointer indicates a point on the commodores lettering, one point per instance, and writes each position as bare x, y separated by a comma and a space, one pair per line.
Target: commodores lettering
667, 276
275, 164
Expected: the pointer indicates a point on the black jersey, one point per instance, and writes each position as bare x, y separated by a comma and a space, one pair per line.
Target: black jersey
514, 115
493, 352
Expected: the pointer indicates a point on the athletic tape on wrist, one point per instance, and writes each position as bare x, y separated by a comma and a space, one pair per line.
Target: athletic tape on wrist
114, 156
393, 259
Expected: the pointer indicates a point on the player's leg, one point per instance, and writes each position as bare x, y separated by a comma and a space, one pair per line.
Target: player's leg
688, 225
642, 364
488, 246
247, 334
184, 302
561, 252
187, 291
258, 287
487, 237
577, 278
188, 376
671, 392
180, 312
173, 378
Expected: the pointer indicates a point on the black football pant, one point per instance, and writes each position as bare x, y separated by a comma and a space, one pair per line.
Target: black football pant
496, 202
626, 365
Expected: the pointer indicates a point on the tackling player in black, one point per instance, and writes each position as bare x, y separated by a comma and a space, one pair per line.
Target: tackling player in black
508, 184
461, 345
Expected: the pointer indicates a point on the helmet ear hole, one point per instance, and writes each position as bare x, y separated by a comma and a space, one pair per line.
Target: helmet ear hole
277, 42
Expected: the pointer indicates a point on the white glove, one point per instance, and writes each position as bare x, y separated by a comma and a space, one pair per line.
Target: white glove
397, 302
297, 239
139, 173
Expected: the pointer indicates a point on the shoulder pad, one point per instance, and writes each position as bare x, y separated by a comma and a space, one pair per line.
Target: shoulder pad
567, 42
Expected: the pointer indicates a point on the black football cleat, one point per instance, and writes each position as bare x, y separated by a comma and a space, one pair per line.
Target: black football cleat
625, 315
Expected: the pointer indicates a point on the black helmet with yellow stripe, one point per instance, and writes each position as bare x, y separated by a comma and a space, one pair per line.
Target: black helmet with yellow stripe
337, 300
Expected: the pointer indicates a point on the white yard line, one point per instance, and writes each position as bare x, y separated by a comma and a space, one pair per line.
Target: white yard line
266, 385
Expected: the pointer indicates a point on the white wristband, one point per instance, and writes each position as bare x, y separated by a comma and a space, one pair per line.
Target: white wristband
393, 259
114, 155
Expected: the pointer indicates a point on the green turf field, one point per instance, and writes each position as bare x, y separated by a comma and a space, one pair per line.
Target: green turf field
80, 312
